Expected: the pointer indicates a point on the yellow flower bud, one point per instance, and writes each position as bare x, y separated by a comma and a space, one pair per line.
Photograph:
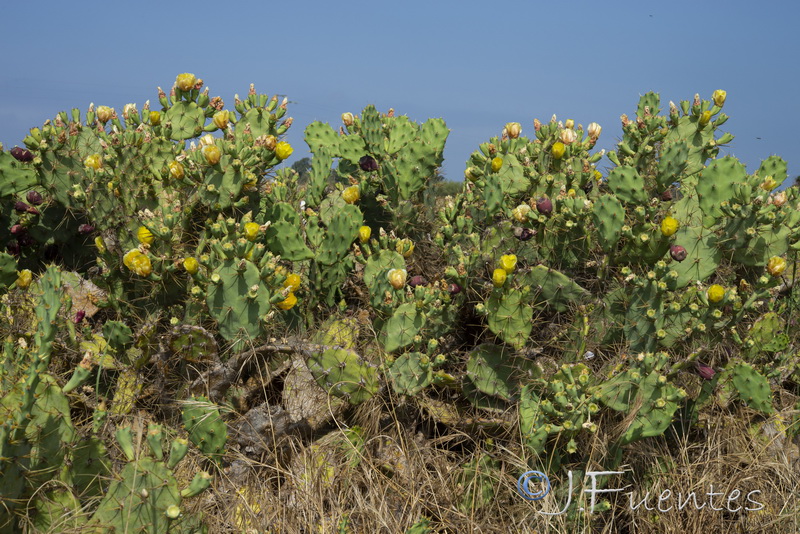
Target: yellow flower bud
292, 281
155, 118
283, 150
144, 235
499, 277
251, 230
705, 117
191, 265
769, 184
776, 266
24, 278
221, 119
669, 226
715, 293
100, 244
93, 161
570, 124
571, 193
287, 303
104, 113
351, 194
558, 150
397, 278
508, 263
176, 170
364, 233
348, 119
212, 153
405, 247
719, 97
497, 164
513, 129
185, 81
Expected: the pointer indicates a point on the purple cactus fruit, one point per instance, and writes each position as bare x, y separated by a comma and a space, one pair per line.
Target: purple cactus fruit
666, 196
13, 247
22, 154
79, 316
18, 229
677, 252
523, 234
34, 198
705, 372
544, 206
417, 280
454, 289
368, 164
21, 207
85, 229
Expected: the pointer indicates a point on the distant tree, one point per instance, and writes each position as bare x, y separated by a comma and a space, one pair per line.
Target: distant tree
303, 168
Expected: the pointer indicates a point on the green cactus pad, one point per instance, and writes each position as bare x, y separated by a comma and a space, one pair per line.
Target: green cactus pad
229, 303
490, 368
554, 288
629, 187
408, 375
402, 326
510, 318
753, 388
15, 177
715, 184
609, 218
193, 344
187, 120
702, 255
344, 373
672, 163
401, 133
205, 426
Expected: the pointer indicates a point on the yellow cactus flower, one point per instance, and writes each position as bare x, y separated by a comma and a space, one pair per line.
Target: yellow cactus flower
769, 184
93, 161
719, 97
571, 193
508, 263
292, 281
348, 119
351, 194
191, 265
558, 150
283, 150
251, 230
212, 153
497, 164
288, 303
104, 113
176, 170
715, 293
513, 129
397, 278
137, 262
520, 213
144, 235
185, 81
364, 233
24, 278
499, 277
705, 118
404, 247
776, 266
155, 118
669, 226
221, 119
100, 244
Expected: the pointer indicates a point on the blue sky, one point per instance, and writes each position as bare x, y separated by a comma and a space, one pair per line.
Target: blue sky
478, 65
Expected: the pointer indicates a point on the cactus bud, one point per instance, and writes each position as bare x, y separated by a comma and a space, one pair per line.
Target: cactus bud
364, 233
24, 278
251, 231
508, 263
397, 278
288, 303
221, 119
558, 150
677, 252
368, 164
719, 97
544, 206
513, 129
155, 118
283, 150
212, 153
499, 277
176, 170
669, 225
497, 164
22, 154
191, 265
776, 266
715, 293
348, 119
104, 114
173, 511
779, 199
705, 118
568, 136
705, 372
594, 130
351, 194
405, 247
185, 82
144, 235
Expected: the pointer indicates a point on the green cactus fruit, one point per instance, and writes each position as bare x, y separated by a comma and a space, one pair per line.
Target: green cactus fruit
409, 375
344, 373
207, 430
753, 388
